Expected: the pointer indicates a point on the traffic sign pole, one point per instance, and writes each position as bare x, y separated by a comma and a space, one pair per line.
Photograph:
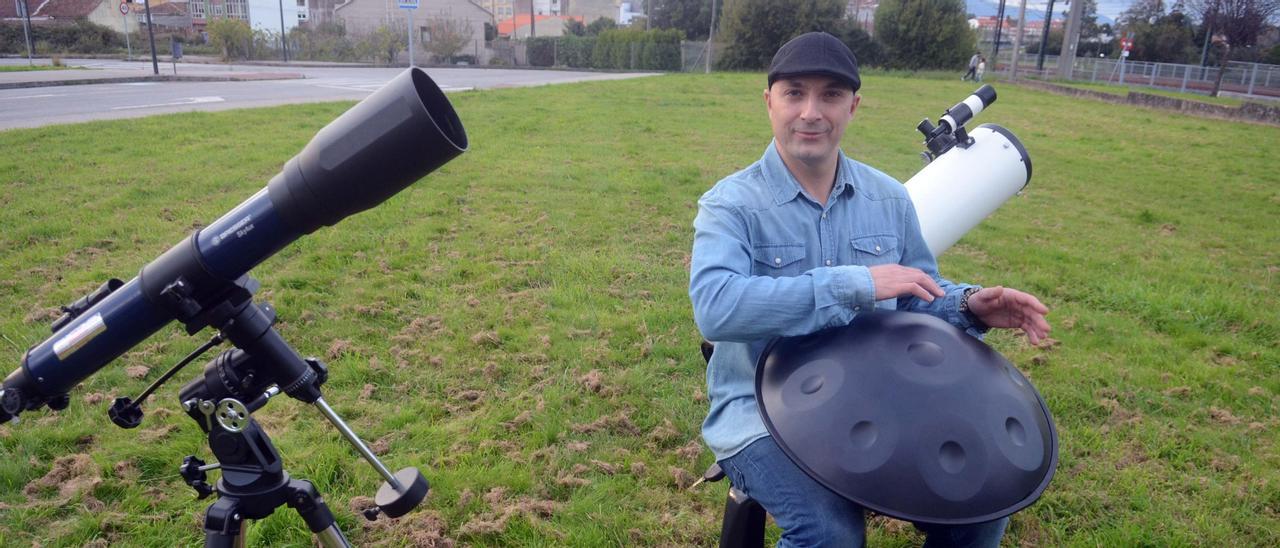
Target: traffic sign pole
124, 11
409, 5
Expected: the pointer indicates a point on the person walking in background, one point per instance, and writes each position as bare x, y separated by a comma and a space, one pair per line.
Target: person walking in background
982, 67
973, 66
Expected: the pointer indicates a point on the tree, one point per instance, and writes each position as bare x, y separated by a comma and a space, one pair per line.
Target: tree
1157, 36
383, 44
600, 25
755, 29
1242, 22
574, 27
232, 36
691, 16
447, 37
925, 33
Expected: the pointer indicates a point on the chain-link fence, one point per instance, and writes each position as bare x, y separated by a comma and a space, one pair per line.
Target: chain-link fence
1255, 79
592, 53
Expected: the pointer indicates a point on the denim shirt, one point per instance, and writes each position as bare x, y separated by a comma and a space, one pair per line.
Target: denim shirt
769, 261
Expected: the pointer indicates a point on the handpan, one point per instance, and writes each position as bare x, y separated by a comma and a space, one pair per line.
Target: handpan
908, 416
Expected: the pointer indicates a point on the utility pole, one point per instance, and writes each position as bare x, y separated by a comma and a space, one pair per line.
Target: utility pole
995, 50
284, 42
1044, 38
711, 34
532, 21
26, 29
1070, 39
151, 35
1017, 40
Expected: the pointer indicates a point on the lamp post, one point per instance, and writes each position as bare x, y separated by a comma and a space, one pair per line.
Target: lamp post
284, 42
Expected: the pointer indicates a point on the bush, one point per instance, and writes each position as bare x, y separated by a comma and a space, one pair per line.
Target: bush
541, 51
80, 36
232, 36
325, 42
575, 51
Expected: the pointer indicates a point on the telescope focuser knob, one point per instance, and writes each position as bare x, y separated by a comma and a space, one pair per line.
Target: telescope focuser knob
59, 402
124, 413
193, 471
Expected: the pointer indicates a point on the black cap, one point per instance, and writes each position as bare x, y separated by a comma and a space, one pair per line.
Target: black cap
815, 53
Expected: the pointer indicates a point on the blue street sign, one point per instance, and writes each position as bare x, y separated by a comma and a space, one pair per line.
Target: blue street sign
408, 4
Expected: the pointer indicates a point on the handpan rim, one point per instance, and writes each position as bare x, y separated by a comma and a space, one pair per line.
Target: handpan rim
780, 439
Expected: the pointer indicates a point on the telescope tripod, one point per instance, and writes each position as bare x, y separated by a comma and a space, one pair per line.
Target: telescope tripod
233, 385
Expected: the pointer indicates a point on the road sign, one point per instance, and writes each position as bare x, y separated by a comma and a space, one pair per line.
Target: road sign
124, 8
408, 4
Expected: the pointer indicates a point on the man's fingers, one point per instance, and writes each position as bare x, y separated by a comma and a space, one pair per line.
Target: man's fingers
919, 291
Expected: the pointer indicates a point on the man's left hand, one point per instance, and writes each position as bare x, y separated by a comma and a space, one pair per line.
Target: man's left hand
1004, 307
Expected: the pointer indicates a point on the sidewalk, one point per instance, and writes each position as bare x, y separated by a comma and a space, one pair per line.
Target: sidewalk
186, 73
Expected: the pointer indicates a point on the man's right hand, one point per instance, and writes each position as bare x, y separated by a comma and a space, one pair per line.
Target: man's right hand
894, 280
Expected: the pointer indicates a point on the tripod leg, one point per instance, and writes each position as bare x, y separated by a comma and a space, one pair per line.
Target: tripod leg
304, 498
223, 525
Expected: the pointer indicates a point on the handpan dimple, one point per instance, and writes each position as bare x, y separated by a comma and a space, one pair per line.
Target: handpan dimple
811, 384
925, 353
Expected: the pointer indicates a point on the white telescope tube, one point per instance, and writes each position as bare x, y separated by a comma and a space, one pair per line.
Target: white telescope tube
961, 187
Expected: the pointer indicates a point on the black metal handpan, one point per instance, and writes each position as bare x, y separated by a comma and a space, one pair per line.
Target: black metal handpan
909, 416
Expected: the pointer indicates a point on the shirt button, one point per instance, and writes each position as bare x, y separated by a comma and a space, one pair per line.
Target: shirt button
857, 308
828, 262
777, 260
877, 248
824, 215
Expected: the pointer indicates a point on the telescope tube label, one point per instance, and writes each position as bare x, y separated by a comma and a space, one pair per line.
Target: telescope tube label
79, 336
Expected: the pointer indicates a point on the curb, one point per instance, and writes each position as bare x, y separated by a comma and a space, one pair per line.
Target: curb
151, 78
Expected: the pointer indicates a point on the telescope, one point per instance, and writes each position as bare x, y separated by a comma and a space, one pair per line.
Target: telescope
391, 139
968, 175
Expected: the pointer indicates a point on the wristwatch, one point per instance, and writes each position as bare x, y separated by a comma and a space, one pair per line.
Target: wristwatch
968, 314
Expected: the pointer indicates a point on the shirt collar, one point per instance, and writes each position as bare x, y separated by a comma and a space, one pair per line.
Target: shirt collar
783, 185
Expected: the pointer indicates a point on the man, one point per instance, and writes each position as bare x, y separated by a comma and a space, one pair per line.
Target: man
973, 66
805, 239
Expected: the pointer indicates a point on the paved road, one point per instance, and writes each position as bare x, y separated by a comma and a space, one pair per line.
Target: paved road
266, 85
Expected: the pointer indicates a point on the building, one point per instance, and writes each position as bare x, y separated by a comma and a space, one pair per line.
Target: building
102, 12
363, 17
518, 27
259, 14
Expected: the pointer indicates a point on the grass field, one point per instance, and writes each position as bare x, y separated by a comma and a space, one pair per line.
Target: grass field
517, 324
27, 68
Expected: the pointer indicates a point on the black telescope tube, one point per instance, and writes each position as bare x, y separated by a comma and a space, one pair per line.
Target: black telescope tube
368, 154
397, 135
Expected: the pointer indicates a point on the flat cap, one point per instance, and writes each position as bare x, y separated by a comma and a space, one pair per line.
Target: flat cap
815, 53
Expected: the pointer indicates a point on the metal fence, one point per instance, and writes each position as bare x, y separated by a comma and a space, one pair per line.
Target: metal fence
1254, 79
691, 56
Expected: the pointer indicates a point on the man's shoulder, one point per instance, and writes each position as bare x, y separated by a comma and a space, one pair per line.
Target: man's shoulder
743, 188
874, 184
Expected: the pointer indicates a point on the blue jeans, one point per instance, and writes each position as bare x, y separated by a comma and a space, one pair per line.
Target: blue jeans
812, 515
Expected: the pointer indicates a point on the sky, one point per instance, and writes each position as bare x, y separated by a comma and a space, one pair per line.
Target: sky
1107, 9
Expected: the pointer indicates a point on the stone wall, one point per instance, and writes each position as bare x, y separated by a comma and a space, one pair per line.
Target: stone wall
1247, 112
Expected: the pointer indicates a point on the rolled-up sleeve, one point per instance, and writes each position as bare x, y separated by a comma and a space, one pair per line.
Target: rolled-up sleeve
730, 304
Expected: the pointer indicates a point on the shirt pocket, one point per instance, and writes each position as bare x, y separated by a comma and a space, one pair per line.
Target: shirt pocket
776, 260
876, 249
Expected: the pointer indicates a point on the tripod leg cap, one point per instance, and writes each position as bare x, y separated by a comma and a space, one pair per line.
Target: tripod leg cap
398, 503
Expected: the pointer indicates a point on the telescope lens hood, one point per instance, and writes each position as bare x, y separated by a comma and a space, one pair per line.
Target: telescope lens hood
908, 416
383, 144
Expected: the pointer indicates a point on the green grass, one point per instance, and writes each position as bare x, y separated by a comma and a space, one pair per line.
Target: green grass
28, 68
466, 320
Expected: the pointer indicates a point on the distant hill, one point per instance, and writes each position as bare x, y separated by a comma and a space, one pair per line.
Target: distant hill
989, 8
